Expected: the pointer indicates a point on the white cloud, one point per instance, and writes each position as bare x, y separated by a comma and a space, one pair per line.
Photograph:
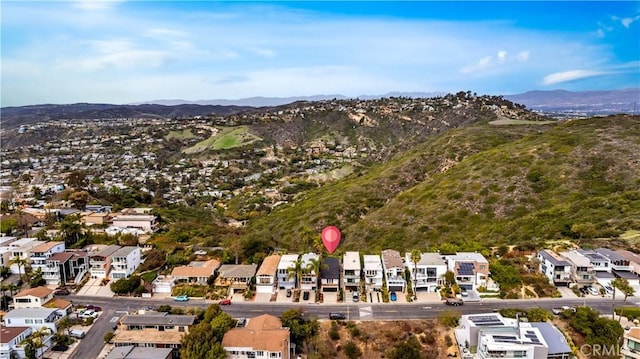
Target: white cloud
502, 55
627, 21
572, 75
95, 5
523, 56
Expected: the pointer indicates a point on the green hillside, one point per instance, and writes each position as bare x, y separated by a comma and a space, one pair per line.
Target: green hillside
479, 185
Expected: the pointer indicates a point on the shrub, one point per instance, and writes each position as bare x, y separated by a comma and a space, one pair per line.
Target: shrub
351, 350
107, 337
334, 335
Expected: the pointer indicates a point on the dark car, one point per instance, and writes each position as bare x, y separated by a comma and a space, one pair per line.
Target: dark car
288, 293
95, 308
59, 348
61, 291
305, 295
336, 316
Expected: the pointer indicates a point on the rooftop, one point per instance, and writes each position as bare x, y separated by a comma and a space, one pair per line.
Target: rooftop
553, 258
391, 259
125, 251
633, 333
196, 269
45, 247
467, 256
158, 319
331, 270
351, 261
30, 313
148, 336
269, 265
576, 258
372, 262
7, 334
237, 270
555, 339
39, 292
287, 260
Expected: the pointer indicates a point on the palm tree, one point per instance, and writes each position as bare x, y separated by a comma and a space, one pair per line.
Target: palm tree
22, 264
37, 341
623, 285
296, 270
72, 229
415, 255
316, 265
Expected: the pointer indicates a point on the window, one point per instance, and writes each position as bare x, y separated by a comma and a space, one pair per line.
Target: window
28, 321
251, 355
633, 345
260, 353
181, 329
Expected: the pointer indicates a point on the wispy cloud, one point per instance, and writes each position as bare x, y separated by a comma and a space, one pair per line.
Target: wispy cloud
491, 63
95, 5
572, 75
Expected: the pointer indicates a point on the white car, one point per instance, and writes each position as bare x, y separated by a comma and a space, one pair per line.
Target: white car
593, 291
85, 314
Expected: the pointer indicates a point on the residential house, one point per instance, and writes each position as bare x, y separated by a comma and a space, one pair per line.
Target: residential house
100, 257
617, 260
554, 267
40, 253
5, 251
285, 280
22, 249
351, 271
133, 352
262, 338
330, 274
309, 277
490, 335
236, 276
95, 218
599, 262
142, 222
632, 258
197, 272
11, 339
373, 271
623, 264
66, 267
36, 318
164, 284
32, 297
125, 261
631, 344
393, 270
471, 269
428, 273
153, 330
581, 267
267, 275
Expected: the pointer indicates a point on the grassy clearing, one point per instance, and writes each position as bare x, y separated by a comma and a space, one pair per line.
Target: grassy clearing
631, 237
225, 138
519, 122
180, 135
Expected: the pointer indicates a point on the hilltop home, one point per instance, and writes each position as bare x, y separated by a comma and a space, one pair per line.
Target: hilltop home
125, 261
330, 274
309, 278
471, 269
351, 270
554, 267
262, 338
373, 271
599, 262
430, 271
236, 276
267, 275
142, 222
196, 272
393, 270
285, 280
153, 330
100, 257
581, 267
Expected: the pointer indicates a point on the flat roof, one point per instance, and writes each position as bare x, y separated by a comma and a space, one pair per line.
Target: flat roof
372, 262
391, 259
351, 261
154, 318
611, 255
576, 258
30, 313
553, 258
124, 251
237, 270
46, 246
287, 260
465, 256
556, 341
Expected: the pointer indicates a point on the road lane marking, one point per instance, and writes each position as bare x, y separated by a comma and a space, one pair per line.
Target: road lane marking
114, 319
366, 312
426, 307
390, 311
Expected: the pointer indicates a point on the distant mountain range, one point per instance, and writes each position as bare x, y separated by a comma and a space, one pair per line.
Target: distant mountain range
557, 103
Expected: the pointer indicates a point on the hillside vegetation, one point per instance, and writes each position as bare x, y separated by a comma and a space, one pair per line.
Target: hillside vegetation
479, 185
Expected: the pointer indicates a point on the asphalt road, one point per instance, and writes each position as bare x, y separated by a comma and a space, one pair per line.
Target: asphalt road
114, 308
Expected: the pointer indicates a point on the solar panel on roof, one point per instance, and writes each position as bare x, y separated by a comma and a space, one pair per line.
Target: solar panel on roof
465, 269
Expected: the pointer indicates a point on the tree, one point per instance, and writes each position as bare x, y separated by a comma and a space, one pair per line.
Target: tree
126, 285
36, 279
203, 340
72, 229
64, 324
405, 350
538, 315
315, 265
36, 192
36, 341
623, 285
415, 258
301, 329
107, 337
351, 350
296, 270
21, 263
80, 199
77, 179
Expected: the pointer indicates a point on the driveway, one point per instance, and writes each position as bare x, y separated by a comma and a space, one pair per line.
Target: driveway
567, 292
93, 287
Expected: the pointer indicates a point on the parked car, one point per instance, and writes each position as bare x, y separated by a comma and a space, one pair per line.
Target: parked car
305, 295
95, 308
608, 289
289, 292
59, 348
61, 291
77, 333
241, 322
593, 291
454, 301
225, 302
393, 296
337, 316
86, 314
355, 296
181, 298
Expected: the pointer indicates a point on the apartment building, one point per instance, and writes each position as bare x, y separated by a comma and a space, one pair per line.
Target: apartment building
21, 249
66, 267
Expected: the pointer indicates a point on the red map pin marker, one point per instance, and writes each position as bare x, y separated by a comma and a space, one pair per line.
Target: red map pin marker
331, 238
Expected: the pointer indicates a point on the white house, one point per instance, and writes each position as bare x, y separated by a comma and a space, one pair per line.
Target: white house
599, 262
143, 222
11, 339
373, 271
32, 297
581, 268
36, 318
471, 269
100, 259
267, 274
393, 270
309, 277
631, 344
164, 284
125, 261
285, 281
39, 256
430, 272
554, 267
22, 249
351, 270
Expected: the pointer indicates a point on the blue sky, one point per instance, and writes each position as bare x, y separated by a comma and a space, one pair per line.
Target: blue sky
130, 51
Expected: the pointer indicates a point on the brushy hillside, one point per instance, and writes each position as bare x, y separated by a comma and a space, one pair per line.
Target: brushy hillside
480, 185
